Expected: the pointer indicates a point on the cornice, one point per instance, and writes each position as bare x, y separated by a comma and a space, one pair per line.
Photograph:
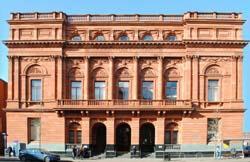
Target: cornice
128, 44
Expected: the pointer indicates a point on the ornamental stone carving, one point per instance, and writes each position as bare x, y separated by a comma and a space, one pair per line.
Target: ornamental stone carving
37, 59
100, 62
212, 70
148, 73
172, 72
123, 73
215, 59
35, 69
75, 73
100, 73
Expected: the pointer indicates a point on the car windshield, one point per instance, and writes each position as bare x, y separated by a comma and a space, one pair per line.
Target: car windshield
37, 150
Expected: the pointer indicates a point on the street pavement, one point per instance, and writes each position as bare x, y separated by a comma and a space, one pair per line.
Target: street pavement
65, 159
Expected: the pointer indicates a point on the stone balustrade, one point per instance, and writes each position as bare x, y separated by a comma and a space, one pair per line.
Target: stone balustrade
119, 18
67, 103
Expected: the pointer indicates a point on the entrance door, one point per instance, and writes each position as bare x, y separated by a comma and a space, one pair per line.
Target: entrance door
98, 138
123, 137
147, 137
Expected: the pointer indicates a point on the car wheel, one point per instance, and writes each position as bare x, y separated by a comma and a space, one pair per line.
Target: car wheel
47, 159
23, 158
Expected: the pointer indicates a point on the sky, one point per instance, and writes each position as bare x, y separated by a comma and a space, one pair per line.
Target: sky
130, 7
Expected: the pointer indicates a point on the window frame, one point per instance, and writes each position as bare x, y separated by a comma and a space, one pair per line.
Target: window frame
105, 89
30, 131
166, 88
79, 38
81, 89
219, 87
123, 35
118, 88
153, 88
31, 88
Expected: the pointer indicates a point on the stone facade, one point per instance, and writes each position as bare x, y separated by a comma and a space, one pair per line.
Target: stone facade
3, 98
190, 49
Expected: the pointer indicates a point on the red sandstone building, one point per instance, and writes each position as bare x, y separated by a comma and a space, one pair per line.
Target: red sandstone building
114, 82
3, 98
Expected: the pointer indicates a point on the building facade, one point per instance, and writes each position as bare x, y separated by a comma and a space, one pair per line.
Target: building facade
3, 98
119, 82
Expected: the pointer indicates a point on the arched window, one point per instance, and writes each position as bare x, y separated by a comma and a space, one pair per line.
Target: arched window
171, 37
99, 38
124, 38
76, 38
171, 133
148, 37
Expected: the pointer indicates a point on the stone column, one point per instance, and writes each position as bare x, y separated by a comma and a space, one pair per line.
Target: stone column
86, 131
16, 79
135, 79
160, 77
239, 72
202, 87
233, 78
10, 76
195, 78
135, 136
59, 77
159, 136
187, 77
110, 146
110, 82
86, 79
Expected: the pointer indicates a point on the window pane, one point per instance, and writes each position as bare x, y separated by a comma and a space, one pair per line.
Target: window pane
71, 136
79, 136
171, 90
100, 38
34, 129
36, 90
175, 137
147, 90
147, 38
213, 90
123, 38
167, 137
123, 90
76, 38
171, 38
100, 90
76, 90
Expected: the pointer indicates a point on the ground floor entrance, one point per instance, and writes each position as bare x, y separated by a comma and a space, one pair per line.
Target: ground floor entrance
98, 138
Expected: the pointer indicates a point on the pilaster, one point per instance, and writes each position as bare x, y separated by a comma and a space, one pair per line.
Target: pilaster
110, 83
86, 79
59, 77
234, 78
160, 77
135, 79
239, 78
187, 76
195, 78
10, 80
16, 78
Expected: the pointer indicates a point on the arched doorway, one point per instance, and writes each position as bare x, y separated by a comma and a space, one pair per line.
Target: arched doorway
171, 133
123, 137
98, 138
147, 137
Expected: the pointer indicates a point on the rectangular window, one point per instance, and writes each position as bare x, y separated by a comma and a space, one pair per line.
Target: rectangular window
36, 90
76, 90
171, 90
34, 129
147, 90
213, 90
100, 90
167, 137
71, 136
123, 90
212, 129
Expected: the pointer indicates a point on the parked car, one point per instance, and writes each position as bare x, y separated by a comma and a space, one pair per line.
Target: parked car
247, 151
38, 155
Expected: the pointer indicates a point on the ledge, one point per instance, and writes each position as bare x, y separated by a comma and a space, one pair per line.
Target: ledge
127, 44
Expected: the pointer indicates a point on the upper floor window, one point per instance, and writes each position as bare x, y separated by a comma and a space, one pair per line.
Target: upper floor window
171, 38
148, 37
124, 38
34, 129
147, 90
76, 90
123, 90
76, 38
36, 92
213, 90
171, 90
99, 38
100, 87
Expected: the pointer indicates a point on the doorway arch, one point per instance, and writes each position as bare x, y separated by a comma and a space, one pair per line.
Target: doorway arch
147, 137
98, 138
123, 137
